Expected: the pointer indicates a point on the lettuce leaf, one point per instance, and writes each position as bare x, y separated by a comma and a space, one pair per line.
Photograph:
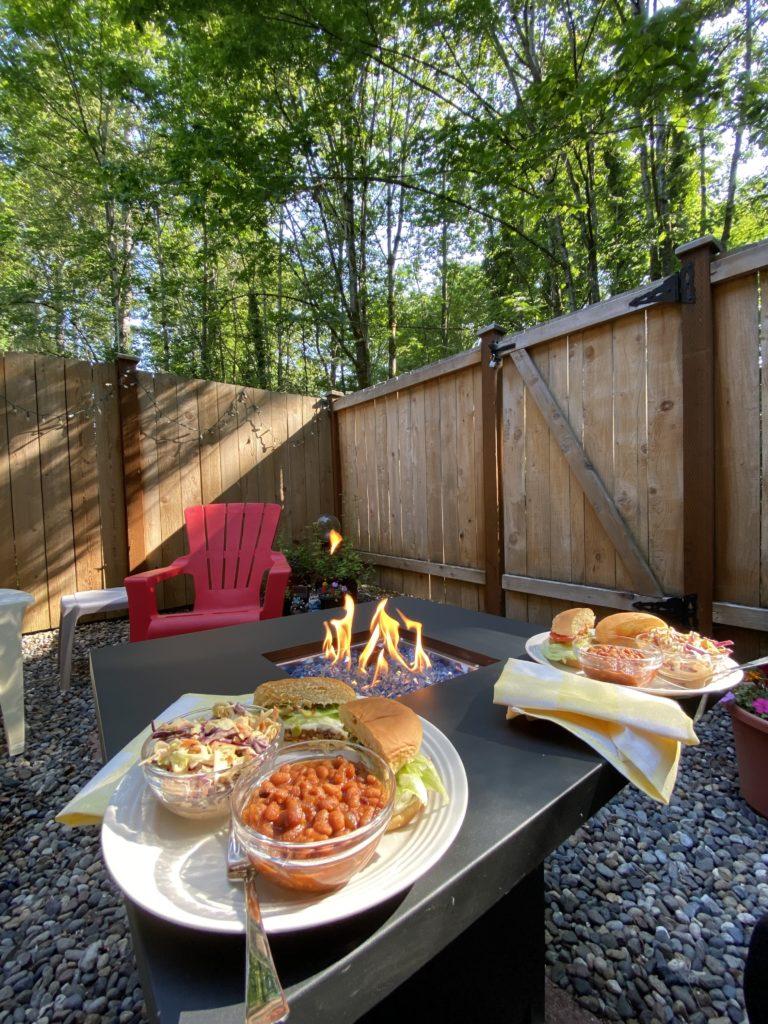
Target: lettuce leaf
313, 718
416, 778
556, 652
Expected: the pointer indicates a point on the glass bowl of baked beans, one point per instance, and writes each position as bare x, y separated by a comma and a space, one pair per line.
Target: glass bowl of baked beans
627, 663
315, 817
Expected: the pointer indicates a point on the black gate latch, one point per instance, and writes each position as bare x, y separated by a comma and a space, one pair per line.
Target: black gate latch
680, 611
677, 287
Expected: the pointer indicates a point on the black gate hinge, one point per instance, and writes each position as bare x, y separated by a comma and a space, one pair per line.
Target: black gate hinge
678, 287
679, 611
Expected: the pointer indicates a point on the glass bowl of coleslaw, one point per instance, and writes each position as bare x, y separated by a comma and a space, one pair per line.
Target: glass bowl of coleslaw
191, 763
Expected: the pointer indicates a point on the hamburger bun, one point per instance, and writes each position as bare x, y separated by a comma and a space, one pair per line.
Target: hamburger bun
571, 624
305, 692
625, 626
385, 726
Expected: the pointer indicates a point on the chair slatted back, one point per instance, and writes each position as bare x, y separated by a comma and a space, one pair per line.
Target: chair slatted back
229, 549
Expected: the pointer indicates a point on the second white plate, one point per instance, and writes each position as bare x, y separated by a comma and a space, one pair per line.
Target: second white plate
176, 868
534, 649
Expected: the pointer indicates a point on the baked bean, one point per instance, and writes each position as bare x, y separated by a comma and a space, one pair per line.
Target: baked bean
271, 811
310, 801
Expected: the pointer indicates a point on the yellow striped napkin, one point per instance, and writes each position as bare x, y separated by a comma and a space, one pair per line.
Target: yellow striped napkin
640, 734
88, 806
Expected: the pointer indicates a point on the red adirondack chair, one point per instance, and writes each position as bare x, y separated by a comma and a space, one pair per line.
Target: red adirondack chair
230, 551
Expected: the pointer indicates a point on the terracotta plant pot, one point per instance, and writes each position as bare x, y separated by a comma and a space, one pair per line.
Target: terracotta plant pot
750, 735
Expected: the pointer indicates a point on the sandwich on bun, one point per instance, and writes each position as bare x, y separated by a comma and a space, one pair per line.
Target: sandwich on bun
625, 626
394, 732
568, 627
308, 707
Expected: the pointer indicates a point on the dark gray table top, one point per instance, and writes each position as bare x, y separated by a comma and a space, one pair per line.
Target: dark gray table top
530, 786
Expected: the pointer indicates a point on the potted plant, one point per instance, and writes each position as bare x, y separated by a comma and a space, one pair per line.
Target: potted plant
749, 716
320, 579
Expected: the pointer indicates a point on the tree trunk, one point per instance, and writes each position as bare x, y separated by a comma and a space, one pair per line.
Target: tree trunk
733, 173
257, 340
444, 310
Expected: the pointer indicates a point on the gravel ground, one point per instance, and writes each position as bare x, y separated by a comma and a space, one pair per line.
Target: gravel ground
649, 910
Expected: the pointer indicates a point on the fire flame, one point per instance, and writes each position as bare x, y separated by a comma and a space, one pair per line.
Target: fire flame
420, 656
341, 650
335, 539
384, 634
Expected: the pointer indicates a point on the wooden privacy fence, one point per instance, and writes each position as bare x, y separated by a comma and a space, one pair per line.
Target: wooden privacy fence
98, 462
591, 459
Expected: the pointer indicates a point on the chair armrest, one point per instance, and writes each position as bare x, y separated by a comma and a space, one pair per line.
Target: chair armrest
277, 582
153, 576
142, 597
279, 562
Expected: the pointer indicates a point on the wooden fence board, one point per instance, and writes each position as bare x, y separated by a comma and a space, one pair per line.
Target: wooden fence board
109, 463
227, 404
8, 578
83, 465
268, 451
189, 456
168, 439
371, 476
316, 503
56, 481
433, 486
513, 435
26, 486
153, 534
210, 463
665, 446
466, 482
576, 498
393, 579
737, 404
630, 443
600, 556
450, 484
418, 462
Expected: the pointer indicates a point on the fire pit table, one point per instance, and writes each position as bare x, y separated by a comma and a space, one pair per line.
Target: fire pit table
466, 942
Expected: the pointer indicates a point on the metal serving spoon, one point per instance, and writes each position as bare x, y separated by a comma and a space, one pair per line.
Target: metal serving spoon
265, 1001
237, 862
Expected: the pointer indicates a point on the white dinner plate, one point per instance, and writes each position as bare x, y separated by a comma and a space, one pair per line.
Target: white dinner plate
534, 649
176, 868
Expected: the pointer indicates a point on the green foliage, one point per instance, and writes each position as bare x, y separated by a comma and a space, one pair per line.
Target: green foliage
753, 697
311, 564
312, 197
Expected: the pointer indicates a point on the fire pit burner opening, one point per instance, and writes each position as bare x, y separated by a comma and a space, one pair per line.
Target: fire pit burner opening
397, 679
393, 659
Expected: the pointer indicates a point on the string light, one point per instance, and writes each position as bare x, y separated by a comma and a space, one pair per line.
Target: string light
91, 409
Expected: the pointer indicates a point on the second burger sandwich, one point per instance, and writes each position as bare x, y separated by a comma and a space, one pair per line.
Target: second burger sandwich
393, 731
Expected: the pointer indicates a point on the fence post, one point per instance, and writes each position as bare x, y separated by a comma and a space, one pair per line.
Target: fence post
133, 493
335, 453
492, 506
698, 359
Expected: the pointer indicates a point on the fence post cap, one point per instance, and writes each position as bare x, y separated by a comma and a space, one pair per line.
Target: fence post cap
700, 243
127, 357
490, 329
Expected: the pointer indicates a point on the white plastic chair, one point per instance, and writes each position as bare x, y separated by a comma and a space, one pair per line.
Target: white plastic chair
12, 605
85, 602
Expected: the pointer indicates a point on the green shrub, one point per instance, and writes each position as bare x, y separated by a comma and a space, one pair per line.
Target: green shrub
311, 564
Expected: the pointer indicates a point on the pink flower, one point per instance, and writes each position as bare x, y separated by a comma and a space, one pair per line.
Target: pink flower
760, 705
